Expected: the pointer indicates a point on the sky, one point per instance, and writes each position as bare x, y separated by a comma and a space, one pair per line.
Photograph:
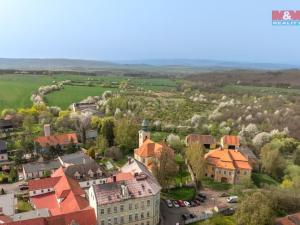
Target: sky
231, 30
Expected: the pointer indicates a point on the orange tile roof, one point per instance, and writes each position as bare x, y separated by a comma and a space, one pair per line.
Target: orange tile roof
293, 219
67, 189
53, 140
227, 159
231, 140
204, 139
121, 177
151, 149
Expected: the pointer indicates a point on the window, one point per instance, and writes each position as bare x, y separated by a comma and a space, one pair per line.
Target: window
34, 192
102, 222
148, 214
136, 206
130, 218
122, 208
115, 209
102, 211
148, 223
122, 219
245, 172
115, 220
148, 202
229, 173
136, 217
130, 206
42, 191
108, 210
142, 215
87, 183
48, 189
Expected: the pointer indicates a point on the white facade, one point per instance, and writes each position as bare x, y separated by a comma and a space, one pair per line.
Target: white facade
143, 135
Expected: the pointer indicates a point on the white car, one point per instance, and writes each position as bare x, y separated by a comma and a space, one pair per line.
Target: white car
187, 204
169, 203
232, 199
175, 204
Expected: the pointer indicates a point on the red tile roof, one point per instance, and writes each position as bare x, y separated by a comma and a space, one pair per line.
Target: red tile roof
227, 159
42, 183
84, 217
65, 188
293, 219
53, 140
4, 219
204, 139
231, 140
121, 177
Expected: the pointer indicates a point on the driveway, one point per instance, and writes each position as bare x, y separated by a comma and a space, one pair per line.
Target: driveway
171, 216
12, 188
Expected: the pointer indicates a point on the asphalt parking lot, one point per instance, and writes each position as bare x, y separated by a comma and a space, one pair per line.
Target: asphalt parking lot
171, 216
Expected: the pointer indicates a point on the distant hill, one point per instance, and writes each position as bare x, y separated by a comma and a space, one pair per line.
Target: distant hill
158, 65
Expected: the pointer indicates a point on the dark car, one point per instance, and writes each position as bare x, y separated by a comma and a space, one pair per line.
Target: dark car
228, 212
202, 195
224, 195
184, 216
23, 187
192, 216
193, 203
200, 199
197, 202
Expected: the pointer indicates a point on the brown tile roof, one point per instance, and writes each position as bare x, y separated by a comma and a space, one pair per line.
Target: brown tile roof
204, 139
53, 140
231, 140
227, 159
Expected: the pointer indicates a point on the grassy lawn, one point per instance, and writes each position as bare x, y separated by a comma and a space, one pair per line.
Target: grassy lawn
23, 206
261, 179
73, 94
180, 193
219, 220
217, 186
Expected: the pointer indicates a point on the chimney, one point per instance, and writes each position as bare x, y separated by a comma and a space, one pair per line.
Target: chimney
47, 130
114, 178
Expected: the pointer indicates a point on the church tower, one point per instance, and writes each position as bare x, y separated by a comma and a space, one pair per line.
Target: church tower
144, 133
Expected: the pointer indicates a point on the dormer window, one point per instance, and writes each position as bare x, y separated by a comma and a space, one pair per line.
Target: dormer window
77, 175
91, 173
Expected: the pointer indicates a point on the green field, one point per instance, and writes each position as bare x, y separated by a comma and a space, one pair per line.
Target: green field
16, 89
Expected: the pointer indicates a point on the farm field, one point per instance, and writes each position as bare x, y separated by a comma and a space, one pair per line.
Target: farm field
16, 89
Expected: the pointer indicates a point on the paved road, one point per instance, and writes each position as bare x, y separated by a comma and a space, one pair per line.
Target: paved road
12, 188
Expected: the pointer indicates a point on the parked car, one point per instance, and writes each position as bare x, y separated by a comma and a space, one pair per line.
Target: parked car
228, 212
193, 203
176, 205
232, 199
23, 187
184, 216
224, 195
200, 199
192, 216
181, 203
186, 203
169, 203
202, 195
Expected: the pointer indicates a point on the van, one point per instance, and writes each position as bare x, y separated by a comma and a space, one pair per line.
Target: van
232, 199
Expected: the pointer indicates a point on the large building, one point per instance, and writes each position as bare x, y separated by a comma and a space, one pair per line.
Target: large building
227, 165
135, 200
208, 141
59, 193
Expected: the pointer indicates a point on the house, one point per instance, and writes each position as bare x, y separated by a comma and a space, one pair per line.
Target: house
8, 204
227, 165
293, 219
83, 217
132, 201
62, 140
4, 162
59, 193
149, 152
39, 169
208, 141
230, 142
74, 159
